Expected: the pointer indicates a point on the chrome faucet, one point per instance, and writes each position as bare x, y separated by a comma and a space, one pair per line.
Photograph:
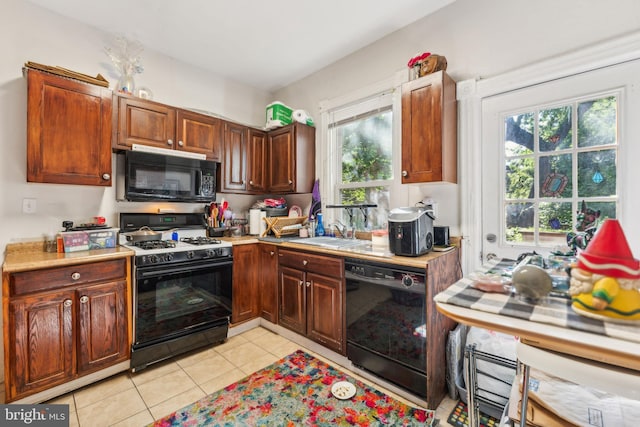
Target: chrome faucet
345, 233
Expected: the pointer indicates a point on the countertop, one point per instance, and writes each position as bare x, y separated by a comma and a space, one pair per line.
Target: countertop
31, 256
418, 262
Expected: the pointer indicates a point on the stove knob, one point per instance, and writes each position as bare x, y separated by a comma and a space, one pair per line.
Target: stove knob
190, 254
169, 257
210, 253
153, 259
407, 280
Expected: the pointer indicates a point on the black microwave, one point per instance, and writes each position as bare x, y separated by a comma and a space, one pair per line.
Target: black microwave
152, 177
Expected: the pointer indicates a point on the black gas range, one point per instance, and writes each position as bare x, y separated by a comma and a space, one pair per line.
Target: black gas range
182, 287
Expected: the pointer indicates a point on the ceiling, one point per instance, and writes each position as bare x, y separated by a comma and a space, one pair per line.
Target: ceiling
265, 44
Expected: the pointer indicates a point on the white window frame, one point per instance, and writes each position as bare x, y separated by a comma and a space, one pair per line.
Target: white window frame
470, 94
328, 160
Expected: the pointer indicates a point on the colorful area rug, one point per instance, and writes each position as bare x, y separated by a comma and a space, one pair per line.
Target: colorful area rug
296, 391
460, 418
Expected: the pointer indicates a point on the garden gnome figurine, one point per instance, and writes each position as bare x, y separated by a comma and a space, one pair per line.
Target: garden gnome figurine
606, 278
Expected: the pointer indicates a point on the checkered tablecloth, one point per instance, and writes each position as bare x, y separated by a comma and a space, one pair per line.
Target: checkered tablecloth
552, 310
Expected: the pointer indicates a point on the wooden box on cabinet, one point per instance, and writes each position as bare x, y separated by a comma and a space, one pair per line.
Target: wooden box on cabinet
68, 131
144, 122
429, 133
62, 323
311, 297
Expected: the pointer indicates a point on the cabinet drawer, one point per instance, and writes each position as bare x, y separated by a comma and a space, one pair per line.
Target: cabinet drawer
51, 278
327, 266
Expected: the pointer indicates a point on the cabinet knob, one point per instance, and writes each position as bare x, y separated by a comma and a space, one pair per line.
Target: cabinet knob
181, 144
67, 303
251, 182
106, 176
169, 142
308, 284
75, 276
404, 173
84, 299
290, 182
300, 283
305, 262
272, 253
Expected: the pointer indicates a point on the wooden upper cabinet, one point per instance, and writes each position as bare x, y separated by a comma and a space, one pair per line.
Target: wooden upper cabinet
291, 165
144, 122
429, 122
198, 133
234, 163
68, 131
257, 161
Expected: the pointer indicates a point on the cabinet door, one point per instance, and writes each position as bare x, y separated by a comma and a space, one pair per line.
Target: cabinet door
429, 130
246, 290
144, 122
269, 282
102, 325
282, 160
325, 305
234, 162
292, 300
257, 161
68, 131
40, 342
197, 133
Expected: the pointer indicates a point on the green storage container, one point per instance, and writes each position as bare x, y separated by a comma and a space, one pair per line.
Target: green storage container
278, 114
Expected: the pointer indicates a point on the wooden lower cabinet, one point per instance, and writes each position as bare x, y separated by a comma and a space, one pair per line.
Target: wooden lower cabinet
246, 291
63, 323
311, 297
268, 282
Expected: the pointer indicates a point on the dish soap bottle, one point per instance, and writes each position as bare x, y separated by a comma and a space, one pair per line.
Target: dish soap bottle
319, 226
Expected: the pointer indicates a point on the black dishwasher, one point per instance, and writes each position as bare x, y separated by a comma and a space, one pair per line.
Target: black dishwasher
386, 322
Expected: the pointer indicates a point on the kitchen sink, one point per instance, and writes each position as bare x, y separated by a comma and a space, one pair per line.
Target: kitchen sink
331, 242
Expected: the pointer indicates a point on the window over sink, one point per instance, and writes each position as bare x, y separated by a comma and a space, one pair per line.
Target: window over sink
362, 134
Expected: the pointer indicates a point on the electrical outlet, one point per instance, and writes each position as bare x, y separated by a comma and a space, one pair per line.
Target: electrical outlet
29, 206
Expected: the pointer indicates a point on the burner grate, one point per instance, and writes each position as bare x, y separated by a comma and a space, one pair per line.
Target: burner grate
200, 240
155, 244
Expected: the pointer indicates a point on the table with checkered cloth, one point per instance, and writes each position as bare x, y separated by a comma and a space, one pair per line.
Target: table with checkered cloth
552, 310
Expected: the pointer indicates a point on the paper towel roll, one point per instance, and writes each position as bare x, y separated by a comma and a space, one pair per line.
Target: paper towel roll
254, 221
263, 223
300, 116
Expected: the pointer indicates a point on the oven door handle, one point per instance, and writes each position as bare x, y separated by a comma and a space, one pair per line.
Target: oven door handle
152, 272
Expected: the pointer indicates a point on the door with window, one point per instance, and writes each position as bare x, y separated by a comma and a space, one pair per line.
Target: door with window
558, 157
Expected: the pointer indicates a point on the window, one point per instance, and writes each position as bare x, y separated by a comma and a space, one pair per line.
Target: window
361, 137
559, 160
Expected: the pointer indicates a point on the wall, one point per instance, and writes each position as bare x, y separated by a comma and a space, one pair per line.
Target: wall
480, 39
30, 33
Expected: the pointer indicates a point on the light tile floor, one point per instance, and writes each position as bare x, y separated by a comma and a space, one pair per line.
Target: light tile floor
137, 399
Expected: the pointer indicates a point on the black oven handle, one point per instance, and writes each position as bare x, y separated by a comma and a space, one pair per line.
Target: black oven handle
146, 272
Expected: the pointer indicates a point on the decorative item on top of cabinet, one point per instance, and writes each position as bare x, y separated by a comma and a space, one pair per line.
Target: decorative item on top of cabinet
68, 131
145, 122
246, 283
311, 297
62, 323
429, 129
292, 159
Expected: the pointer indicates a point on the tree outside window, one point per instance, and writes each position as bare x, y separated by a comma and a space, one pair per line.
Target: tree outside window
554, 158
